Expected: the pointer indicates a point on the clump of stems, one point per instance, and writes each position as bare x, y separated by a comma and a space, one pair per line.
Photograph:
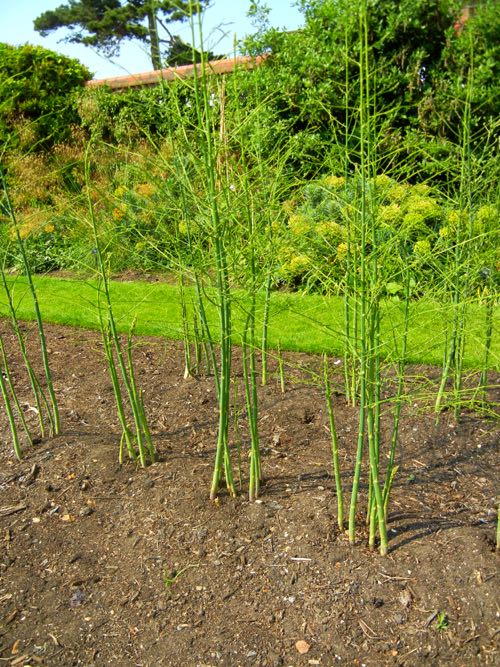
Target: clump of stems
42, 408
265, 329
6, 380
53, 410
218, 238
137, 440
250, 381
363, 310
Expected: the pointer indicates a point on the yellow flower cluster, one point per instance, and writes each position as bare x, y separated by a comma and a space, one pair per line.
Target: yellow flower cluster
330, 229
426, 207
289, 206
389, 214
33, 224
299, 225
421, 189
397, 192
342, 250
276, 226
119, 212
453, 218
487, 215
383, 181
422, 248
333, 182
414, 222
145, 190
120, 191
298, 264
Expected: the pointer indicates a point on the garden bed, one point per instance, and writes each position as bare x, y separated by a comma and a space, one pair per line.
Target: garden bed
113, 565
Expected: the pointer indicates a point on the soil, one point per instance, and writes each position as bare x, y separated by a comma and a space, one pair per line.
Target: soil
105, 564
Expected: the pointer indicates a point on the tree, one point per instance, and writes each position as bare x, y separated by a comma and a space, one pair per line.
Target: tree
104, 24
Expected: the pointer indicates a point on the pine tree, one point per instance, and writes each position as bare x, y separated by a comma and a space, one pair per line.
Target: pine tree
105, 24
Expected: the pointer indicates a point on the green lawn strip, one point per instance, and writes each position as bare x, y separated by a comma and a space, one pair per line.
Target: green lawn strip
308, 323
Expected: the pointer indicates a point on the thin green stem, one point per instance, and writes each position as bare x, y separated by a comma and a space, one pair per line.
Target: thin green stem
265, 328
334, 446
10, 416
36, 308
8, 377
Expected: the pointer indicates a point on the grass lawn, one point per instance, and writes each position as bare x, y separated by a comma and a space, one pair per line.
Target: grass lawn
297, 322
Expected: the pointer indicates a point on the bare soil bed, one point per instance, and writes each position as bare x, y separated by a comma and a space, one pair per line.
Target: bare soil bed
109, 565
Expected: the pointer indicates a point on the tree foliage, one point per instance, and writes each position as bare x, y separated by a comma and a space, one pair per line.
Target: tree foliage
36, 86
419, 61
105, 24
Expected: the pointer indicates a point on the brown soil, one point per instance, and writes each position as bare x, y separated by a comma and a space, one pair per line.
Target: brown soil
110, 565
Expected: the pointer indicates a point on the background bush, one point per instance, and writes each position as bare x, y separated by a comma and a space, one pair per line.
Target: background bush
421, 58
411, 226
299, 105
36, 103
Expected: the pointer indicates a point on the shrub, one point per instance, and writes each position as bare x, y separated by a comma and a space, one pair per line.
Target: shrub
128, 116
405, 223
421, 62
36, 104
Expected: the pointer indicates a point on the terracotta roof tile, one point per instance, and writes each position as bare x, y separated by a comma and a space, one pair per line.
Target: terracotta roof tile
172, 73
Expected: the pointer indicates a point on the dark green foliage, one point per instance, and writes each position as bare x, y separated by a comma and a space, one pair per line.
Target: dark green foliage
419, 59
36, 104
133, 114
307, 91
181, 53
129, 115
105, 24
476, 47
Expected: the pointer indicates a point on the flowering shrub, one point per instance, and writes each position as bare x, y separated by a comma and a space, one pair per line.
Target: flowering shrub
405, 226
44, 244
142, 226
476, 235
402, 221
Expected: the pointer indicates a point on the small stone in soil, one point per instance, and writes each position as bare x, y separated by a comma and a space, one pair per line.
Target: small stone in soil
86, 511
200, 534
77, 599
302, 646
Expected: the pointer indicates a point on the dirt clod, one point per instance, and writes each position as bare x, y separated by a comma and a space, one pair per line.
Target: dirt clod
302, 646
